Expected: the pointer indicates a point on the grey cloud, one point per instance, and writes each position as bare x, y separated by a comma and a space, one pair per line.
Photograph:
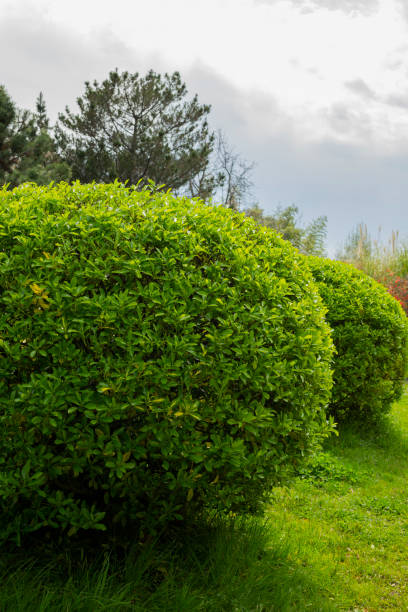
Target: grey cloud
345, 120
350, 7
398, 99
360, 87
37, 55
403, 6
234, 109
396, 59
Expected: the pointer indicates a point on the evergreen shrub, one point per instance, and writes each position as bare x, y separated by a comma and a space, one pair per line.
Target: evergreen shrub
369, 330
158, 356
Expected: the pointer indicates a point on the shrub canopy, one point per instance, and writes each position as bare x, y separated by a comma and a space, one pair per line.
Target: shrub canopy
369, 331
157, 356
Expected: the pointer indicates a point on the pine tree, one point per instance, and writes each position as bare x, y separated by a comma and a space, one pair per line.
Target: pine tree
135, 128
41, 113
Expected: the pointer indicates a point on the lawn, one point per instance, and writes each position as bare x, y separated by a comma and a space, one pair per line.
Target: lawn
335, 539
347, 520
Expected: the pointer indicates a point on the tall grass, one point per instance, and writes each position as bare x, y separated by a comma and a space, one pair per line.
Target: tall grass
385, 261
375, 256
231, 565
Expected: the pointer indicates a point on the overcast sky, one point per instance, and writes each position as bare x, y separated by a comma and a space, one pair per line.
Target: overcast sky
315, 92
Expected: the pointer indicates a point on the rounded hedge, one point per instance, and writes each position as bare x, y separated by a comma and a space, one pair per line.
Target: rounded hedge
157, 356
370, 333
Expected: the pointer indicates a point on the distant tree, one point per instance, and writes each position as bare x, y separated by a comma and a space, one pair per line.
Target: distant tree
233, 172
27, 150
39, 163
314, 237
205, 183
41, 113
309, 240
13, 134
136, 128
226, 178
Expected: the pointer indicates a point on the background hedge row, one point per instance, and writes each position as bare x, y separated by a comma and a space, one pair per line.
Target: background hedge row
370, 333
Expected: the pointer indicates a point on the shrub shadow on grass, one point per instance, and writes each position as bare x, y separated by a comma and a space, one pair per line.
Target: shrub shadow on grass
383, 435
235, 564
366, 447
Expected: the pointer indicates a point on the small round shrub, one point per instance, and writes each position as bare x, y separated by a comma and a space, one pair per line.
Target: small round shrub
157, 356
369, 330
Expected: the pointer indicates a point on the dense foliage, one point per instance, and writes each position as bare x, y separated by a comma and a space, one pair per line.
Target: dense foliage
370, 334
157, 355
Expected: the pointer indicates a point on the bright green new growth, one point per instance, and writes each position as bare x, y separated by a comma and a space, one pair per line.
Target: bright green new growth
370, 334
157, 356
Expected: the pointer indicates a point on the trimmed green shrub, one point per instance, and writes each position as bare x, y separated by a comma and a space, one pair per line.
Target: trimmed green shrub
157, 356
369, 331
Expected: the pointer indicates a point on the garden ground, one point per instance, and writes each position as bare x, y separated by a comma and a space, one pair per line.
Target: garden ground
335, 539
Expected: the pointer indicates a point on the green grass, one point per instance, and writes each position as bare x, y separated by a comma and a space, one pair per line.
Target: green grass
235, 565
347, 520
336, 539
